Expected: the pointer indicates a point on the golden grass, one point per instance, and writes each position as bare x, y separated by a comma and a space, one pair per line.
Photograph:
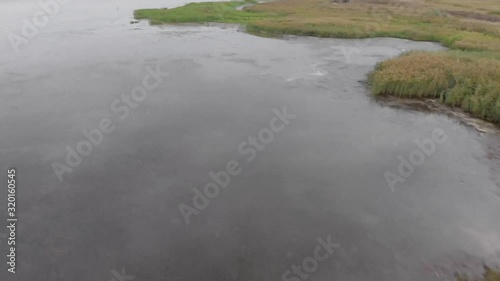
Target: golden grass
471, 83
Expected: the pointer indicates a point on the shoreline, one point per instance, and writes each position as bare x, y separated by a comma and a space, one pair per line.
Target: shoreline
434, 106
466, 76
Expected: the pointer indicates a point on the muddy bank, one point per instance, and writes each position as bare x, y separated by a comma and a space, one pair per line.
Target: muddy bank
435, 106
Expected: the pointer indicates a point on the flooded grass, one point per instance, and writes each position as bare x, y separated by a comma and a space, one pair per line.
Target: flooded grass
467, 76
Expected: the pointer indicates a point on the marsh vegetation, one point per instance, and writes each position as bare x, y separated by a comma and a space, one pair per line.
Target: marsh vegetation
466, 76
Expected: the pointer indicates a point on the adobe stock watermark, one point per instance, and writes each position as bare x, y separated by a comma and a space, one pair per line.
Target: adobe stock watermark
379, 15
310, 264
416, 158
221, 179
120, 106
121, 276
3, 236
40, 19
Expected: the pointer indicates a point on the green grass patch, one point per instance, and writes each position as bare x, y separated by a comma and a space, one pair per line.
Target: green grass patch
222, 12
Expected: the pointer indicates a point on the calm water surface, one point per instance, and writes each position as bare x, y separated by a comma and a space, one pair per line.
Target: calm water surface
323, 174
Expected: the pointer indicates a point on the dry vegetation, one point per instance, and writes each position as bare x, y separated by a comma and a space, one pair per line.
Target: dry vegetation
470, 83
466, 76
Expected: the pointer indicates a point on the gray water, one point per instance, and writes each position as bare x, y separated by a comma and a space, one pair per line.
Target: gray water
322, 175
